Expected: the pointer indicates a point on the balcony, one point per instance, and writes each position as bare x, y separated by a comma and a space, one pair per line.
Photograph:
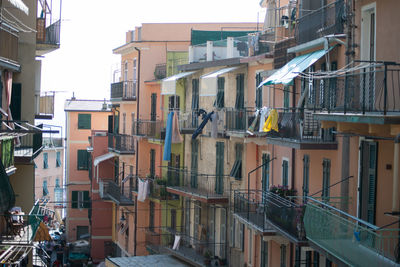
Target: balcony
9, 45
119, 194
326, 20
160, 71
46, 106
203, 187
48, 26
349, 239
200, 253
123, 91
29, 147
368, 95
121, 143
147, 128
250, 209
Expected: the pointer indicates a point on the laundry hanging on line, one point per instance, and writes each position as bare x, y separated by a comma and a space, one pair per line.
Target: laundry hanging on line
168, 138
272, 122
206, 117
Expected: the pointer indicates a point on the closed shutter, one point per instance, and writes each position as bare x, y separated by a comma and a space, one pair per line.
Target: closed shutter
285, 173
265, 172
326, 167
372, 182
258, 91
74, 199
153, 107
45, 161
219, 186
264, 253
84, 121
86, 200
195, 102
194, 163
152, 163
222, 240
239, 91
82, 160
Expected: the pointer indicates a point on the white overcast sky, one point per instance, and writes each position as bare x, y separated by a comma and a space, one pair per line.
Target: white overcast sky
90, 29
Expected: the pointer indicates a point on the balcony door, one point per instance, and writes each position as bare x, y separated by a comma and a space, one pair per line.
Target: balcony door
367, 182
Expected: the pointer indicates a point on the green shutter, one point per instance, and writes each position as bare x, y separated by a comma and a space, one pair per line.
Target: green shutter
153, 107
221, 93
84, 121
74, 200
306, 174
371, 183
152, 163
239, 91
258, 91
86, 200
285, 173
326, 179
219, 185
58, 159
236, 171
82, 160
265, 172
45, 161
194, 164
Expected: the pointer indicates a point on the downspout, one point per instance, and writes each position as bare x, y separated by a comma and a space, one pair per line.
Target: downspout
137, 145
395, 199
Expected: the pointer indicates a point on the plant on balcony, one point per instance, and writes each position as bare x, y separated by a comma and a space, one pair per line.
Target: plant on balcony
282, 191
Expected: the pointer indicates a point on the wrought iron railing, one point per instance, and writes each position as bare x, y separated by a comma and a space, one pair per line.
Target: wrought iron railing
350, 239
147, 128
372, 88
121, 143
326, 20
250, 208
125, 90
202, 185
122, 194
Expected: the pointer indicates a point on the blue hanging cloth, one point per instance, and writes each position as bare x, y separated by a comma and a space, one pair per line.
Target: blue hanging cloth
206, 118
168, 138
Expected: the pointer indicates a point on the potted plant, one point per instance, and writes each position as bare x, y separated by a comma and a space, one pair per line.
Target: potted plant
207, 257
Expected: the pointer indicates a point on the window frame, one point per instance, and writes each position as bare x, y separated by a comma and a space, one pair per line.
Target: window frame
82, 166
84, 121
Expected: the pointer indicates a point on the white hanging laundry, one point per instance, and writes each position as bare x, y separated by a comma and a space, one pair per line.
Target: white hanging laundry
263, 116
176, 242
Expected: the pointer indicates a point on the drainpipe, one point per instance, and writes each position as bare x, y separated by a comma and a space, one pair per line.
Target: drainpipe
137, 144
395, 199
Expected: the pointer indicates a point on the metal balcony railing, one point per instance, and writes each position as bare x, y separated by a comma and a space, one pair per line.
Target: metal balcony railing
121, 143
121, 194
8, 42
250, 208
160, 71
372, 88
147, 128
48, 34
125, 90
352, 240
29, 146
206, 186
326, 20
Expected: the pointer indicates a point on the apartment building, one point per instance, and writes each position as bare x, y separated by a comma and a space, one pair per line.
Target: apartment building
49, 173
21, 140
82, 118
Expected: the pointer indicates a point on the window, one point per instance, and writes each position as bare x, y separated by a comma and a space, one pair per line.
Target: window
123, 123
239, 104
264, 253
45, 160
134, 69
316, 259
84, 121
283, 255
126, 71
236, 171
326, 173
306, 174
80, 200
58, 159
151, 216
220, 102
258, 91
81, 231
173, 102
286, 99
57, 183
83, 156
285, 172
45, 190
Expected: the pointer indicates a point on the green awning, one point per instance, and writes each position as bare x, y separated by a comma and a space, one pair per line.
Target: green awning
291, 70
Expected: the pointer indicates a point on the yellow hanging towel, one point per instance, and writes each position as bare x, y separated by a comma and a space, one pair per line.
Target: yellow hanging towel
272, 121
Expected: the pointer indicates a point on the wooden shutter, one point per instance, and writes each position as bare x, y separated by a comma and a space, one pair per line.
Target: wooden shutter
84, 121
74, 199
194, 163
82, 160
195, 94
152, 163
153, 107
326, 166
285, 173
372, 182
222, 240
86, 199
221, 92
239, 91
258, 91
